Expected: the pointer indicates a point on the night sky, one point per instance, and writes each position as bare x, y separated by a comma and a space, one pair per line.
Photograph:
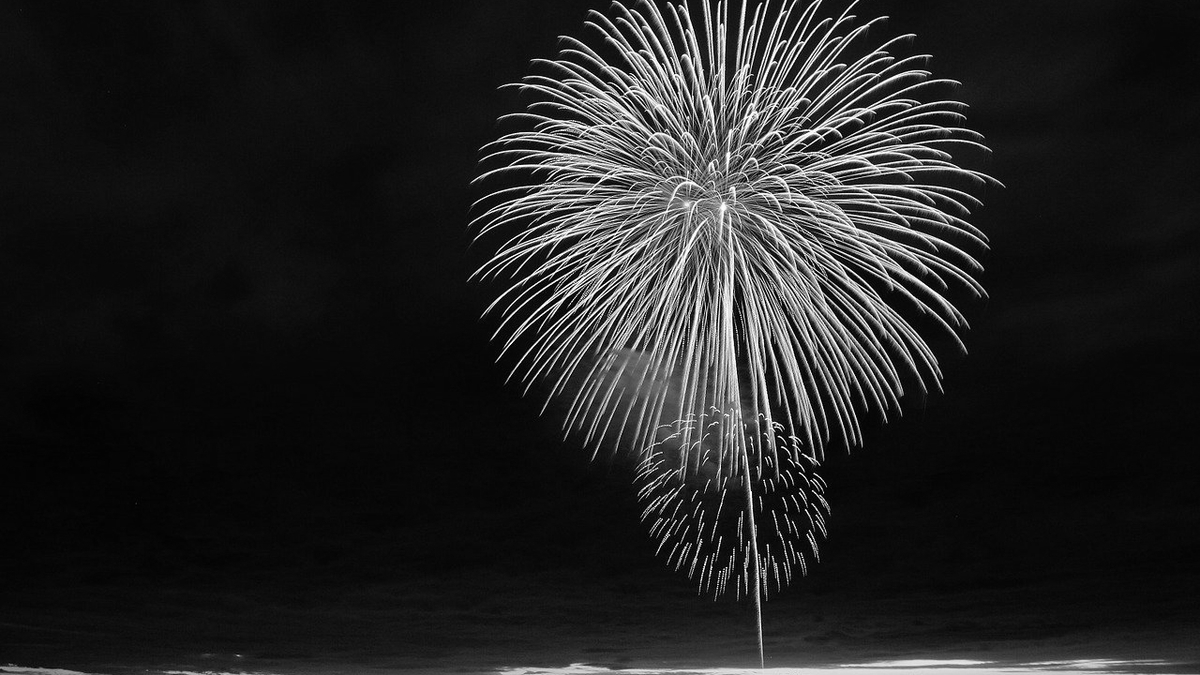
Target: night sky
248, 404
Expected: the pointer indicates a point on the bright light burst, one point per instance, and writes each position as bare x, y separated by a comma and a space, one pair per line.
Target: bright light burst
717, 222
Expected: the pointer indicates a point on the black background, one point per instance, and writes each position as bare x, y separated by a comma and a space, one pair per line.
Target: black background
247, 405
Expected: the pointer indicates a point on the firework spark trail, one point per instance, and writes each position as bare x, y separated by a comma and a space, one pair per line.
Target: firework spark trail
719, 222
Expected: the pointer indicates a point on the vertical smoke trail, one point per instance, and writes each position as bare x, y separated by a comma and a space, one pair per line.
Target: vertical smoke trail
718, 223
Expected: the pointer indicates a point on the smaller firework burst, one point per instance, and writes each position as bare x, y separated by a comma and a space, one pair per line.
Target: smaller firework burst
701, 506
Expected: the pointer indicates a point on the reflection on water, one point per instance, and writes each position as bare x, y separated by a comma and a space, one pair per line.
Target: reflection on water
907, 667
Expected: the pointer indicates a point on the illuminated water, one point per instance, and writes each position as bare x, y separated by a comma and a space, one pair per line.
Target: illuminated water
905, 667
901, 667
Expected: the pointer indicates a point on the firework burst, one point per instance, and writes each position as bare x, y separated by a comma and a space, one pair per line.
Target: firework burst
718, 221
701, 517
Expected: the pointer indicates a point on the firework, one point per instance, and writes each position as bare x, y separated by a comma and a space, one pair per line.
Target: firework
700, 517
721, 224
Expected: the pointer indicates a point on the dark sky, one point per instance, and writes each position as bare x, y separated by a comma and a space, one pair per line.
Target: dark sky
248, 405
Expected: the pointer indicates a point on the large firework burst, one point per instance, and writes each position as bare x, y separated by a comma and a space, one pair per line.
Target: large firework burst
715, 224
